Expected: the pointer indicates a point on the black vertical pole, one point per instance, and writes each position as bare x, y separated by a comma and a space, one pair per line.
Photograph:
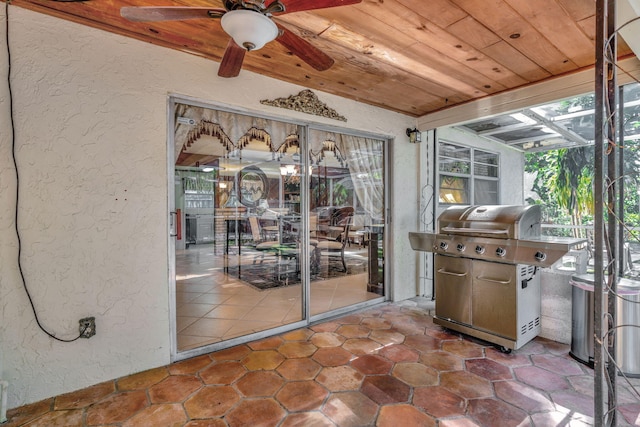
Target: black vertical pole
613, 224
598, 193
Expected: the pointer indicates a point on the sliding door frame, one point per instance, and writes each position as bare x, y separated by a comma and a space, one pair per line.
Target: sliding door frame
307, 319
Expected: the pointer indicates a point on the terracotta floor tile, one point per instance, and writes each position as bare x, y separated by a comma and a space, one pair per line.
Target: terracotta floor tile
372, 364
174, 389
493, 412
558, 418
223, 373
142, 380
423, 343
190, 366
630, 413
442, 334
376, 323
462, 422
487, 368
353, 319
541, 378
439, 402
238, 352
260, 383
523, 396
350, 409
23, 414
340, 378
298, 335
299, 369
267, 359
353, 331
117, 407
325, 327
466, 384
158, 415
211, 401
463, 348
512, 359
302, 396
562, 365
63, 418
327, 339
332, 356
387, 336
409, 416
214, 422
270, 343
415, 374
85, 397
532, 347
297, 349
399, 353
256, 412
307, 419
442, 361
319, 382
574, 401
361, 346
385, 389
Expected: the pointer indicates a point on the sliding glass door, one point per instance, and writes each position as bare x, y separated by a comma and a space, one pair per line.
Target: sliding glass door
270, 230
346, 220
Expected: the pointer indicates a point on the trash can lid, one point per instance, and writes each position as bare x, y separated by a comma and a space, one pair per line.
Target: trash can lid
583, 281
628, 287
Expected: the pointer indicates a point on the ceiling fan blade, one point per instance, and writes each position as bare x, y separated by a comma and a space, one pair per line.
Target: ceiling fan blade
304, 50
301, 5
169, 13
232, 60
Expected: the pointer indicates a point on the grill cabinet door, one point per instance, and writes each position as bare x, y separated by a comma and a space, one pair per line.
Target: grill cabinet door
494, 307
453, 288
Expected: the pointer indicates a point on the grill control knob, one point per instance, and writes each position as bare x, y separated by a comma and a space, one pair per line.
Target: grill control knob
540, 256
501, 252
479, 249
460, 247
444, 246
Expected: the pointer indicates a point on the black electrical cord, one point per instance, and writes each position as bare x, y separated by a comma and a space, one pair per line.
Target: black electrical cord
15, 165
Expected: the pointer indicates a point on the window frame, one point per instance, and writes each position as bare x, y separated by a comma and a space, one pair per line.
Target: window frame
471, 177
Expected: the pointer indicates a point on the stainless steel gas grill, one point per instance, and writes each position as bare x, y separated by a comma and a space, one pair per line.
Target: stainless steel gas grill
486, 270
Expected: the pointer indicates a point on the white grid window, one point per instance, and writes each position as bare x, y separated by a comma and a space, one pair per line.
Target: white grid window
467, 175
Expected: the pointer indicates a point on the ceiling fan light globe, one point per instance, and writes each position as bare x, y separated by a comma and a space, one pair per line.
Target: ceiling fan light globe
249, 29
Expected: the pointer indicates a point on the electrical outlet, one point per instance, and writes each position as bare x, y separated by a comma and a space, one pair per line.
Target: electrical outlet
87, 327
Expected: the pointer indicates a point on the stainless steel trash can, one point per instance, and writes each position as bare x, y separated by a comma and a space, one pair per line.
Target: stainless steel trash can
628, 331
582, 310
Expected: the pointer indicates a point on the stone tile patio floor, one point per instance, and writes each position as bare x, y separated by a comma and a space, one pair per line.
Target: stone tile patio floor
385, 366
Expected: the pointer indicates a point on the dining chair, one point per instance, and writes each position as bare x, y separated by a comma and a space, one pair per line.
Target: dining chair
334, 246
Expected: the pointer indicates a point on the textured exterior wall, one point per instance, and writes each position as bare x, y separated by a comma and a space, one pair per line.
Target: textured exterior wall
90, 119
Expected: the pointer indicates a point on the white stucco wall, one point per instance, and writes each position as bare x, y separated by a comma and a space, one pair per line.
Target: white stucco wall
90, 120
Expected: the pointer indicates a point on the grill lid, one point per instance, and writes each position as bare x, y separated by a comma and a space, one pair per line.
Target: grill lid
499, 221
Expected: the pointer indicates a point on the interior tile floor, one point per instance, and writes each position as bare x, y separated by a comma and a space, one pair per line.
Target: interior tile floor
384, 366
212, 306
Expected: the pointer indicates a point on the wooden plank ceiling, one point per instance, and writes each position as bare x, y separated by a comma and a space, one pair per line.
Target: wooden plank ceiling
409, 56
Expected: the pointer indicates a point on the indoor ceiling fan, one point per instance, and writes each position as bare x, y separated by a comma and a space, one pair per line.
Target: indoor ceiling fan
249, 24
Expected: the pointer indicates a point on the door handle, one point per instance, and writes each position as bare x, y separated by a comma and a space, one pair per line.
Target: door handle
485, 279
450, 273
173, 219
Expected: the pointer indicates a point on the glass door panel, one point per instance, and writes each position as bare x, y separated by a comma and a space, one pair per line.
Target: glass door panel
238, 253
346, 220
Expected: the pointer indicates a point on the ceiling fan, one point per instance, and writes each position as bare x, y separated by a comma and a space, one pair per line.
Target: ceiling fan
250, 26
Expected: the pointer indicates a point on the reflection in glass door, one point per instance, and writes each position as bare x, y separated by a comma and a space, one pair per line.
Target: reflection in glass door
346, 220
238, 251
271, 230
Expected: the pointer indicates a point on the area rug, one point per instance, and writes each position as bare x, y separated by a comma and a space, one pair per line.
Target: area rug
270, 274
